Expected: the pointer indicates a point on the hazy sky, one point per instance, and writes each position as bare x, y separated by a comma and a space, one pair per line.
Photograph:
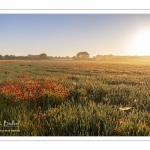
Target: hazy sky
68, 34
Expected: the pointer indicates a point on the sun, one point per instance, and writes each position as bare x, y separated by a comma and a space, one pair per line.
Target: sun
141, 43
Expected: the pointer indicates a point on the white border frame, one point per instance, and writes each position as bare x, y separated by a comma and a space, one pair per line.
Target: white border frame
74, 11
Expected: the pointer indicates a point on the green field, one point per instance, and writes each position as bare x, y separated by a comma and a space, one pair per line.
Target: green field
74, 98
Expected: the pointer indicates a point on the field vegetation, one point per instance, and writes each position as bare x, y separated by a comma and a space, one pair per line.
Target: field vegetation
75, 98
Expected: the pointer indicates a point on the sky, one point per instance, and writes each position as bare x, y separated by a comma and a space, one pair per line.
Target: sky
68, 34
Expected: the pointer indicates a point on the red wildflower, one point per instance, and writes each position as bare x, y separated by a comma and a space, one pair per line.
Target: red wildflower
30, 123
40, 127
23, 119
35, 116
51, 115
23, 126
119, 130
43, 116
39, 107
121, 122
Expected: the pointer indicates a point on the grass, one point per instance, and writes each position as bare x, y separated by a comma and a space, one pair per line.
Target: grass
75, 98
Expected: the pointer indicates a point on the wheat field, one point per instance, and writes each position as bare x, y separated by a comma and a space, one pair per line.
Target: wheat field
74, 98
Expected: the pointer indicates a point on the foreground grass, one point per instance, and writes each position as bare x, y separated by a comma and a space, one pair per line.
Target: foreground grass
69, 98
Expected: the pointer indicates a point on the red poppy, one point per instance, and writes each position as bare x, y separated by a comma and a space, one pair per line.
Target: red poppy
23, 126
51, 115
39, 107
43, 116
40, 127
119, 130
23, 119
121, 122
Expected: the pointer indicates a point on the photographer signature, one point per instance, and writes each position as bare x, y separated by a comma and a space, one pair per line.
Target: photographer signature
9, 124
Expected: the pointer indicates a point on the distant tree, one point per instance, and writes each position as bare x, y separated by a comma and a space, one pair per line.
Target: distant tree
6, 56
12, 57
43, 56
1, 57
82, 55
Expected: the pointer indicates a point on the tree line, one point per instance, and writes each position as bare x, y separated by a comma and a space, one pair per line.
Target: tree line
41, 56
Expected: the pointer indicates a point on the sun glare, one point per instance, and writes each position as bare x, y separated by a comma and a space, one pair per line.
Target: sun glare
141, 43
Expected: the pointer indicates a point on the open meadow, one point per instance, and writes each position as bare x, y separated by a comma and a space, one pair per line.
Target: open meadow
74, 98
